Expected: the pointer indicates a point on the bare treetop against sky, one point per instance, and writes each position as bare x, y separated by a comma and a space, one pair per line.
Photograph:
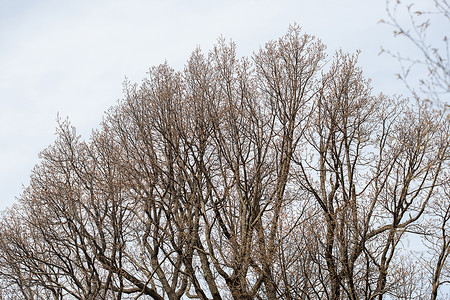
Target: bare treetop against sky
71, 57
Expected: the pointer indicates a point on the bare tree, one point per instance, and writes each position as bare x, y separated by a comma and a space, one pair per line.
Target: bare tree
364, 168
426, 28
271, 177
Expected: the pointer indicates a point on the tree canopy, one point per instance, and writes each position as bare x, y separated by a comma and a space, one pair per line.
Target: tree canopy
277, 176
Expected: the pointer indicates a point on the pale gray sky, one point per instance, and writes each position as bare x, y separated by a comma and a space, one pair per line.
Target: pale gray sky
71, 57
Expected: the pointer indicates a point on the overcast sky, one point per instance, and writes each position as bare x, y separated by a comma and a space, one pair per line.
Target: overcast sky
71, 57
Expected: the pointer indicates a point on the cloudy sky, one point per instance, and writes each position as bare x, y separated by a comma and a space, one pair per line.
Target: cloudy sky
71, 57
